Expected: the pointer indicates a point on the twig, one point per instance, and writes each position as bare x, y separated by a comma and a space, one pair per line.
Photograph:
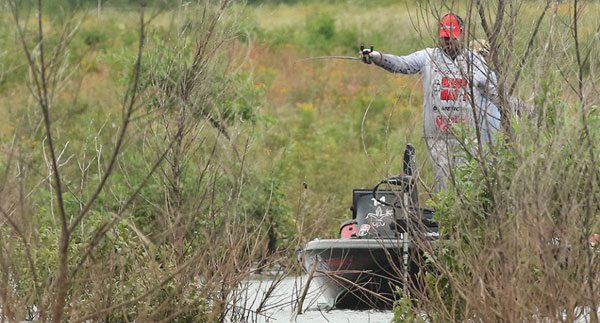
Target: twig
529, 48
128, 111
311, 273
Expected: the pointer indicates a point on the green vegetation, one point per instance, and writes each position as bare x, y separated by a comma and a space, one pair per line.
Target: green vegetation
237, 151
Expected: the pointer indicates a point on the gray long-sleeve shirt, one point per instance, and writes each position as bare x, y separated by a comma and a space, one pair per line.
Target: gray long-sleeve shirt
455, 91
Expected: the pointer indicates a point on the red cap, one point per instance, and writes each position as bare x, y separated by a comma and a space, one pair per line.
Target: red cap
450, 26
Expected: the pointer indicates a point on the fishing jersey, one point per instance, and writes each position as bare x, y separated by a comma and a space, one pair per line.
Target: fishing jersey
451, 89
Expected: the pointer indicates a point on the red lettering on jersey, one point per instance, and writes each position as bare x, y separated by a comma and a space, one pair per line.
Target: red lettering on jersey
445, 82
449, 95
441, 123
444, 123
448, 82
454, 89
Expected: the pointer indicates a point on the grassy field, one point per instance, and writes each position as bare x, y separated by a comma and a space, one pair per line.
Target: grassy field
321, 120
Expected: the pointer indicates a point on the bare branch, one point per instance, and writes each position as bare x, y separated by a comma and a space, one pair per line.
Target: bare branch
529, 47
130, 99
103, 229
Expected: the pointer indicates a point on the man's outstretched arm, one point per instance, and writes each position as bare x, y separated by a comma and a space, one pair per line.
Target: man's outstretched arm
409, 64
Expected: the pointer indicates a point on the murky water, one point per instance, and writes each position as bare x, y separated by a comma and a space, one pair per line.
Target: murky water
269, 300
282, 302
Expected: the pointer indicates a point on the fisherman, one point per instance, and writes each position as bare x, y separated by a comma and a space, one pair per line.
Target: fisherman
458, 89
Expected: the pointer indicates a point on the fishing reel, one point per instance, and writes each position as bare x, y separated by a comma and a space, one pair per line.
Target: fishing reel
365, 54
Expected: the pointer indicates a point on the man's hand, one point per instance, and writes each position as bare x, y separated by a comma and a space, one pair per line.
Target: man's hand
368, 55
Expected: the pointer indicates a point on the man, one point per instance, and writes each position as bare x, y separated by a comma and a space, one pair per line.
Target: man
458, 88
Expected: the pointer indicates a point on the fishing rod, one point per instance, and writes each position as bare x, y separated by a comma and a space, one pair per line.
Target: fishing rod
330, 57
351, 58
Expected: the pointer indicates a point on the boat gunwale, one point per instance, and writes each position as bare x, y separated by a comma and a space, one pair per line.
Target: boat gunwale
370, 243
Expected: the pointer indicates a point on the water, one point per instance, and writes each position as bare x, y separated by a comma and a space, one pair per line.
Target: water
282, 303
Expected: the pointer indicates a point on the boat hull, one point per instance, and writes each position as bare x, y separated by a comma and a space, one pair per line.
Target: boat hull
357, 273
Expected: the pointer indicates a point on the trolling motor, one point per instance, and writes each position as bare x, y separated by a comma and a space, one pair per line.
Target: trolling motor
389, 212
404, 188
405, 181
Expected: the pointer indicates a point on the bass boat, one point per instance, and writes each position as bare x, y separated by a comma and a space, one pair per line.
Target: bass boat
379, 253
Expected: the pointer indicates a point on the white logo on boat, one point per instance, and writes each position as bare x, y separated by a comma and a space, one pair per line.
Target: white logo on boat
379, 219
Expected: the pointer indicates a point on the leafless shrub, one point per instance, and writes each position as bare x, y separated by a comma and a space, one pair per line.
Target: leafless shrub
153, 228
